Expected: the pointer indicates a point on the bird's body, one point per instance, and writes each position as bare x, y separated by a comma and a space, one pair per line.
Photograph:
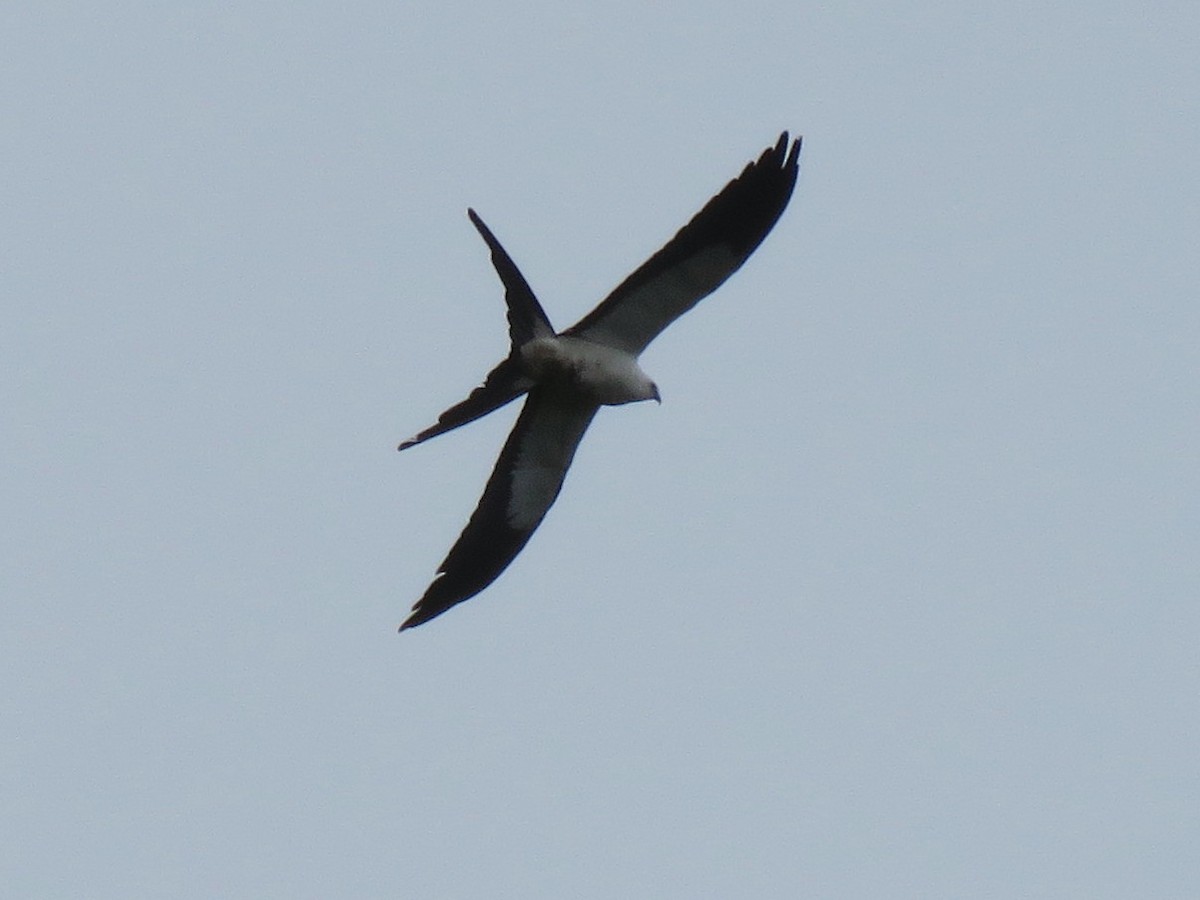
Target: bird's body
594, 372
569, 375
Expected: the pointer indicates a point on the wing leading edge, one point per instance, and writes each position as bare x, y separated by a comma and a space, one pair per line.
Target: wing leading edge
523, 485
705, 252
530, 470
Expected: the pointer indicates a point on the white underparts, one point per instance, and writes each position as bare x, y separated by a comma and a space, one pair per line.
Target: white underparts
596, 373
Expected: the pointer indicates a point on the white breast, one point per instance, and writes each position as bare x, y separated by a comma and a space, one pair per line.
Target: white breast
600, 374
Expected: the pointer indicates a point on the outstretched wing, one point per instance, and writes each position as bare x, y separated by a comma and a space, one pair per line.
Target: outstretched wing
706, 251
523, 485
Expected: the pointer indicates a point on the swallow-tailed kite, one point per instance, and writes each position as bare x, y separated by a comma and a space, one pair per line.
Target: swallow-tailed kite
568, 375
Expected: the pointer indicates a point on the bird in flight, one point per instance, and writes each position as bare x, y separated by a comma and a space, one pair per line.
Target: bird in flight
568, 375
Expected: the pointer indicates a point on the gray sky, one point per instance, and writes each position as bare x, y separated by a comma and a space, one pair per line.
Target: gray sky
895, 595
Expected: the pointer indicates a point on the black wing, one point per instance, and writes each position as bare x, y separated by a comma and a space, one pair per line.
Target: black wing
523, 485
706, 251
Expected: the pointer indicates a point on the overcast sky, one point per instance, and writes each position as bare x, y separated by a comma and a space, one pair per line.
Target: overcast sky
896, 594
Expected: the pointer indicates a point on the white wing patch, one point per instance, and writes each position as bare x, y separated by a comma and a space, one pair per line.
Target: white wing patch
568, 375
545, 454
651, 306
534, 488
